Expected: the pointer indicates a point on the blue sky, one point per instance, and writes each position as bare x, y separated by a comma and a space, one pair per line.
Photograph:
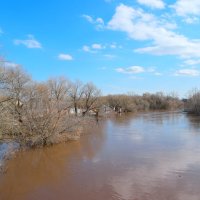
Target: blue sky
120, 45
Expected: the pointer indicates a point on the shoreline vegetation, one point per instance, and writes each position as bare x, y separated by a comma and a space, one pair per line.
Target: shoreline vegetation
39, 114
36, 114
43, 113
192, 104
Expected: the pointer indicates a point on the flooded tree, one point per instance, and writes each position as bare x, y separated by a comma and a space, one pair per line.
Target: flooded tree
193, 103
90, 98
35, 113
75, 94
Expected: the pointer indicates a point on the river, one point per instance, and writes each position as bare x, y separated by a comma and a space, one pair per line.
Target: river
144, 156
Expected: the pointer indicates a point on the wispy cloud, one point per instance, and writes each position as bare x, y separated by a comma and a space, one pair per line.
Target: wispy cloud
137, 70
191, 20
192, 62
98, 22
93, 48
158, 4
131, 70
30, 42
110, 56
87, 49
187, 72
97, 46
114, 46
65, 57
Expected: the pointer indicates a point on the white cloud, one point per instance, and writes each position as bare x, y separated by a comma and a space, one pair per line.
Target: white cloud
98, 22
137, 70
86, 48
192, 62
31, 42
187, 72
191, 20
66, 57
131, 70
137, 24
114, 46
97, 46
143, 26
88, 18
159, 4
187, 7
93, 48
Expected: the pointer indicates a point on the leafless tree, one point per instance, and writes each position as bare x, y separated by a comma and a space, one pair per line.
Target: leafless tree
76, 94
193, 103
35, 113
90, 98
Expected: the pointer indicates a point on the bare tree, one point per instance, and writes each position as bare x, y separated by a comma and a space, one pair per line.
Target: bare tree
193, 103
35, 113
76, 93
90, 97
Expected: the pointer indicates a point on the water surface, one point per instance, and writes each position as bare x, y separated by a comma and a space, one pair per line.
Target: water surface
147, 156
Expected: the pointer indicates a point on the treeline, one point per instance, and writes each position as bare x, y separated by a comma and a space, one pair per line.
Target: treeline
133, 103
41, 113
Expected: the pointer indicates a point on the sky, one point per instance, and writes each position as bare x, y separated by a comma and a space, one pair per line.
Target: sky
121, 46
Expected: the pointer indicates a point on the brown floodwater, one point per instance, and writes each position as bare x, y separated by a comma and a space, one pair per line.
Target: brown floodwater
146, 156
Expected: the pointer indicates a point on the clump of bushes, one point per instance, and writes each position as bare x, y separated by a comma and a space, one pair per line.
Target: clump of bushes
192, 105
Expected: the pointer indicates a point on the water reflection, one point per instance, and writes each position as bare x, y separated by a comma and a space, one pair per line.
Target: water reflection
32, 169
194, 122
146, 156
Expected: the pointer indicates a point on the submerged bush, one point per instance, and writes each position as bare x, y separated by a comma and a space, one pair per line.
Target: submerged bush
193, 103
33, 113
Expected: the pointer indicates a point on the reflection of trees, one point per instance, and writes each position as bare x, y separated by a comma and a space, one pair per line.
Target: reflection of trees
155, 117
37, 168
92, 144
161, 117
124, 119
194, 122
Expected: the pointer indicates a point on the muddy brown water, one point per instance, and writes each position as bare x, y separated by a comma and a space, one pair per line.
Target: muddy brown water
146, 156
